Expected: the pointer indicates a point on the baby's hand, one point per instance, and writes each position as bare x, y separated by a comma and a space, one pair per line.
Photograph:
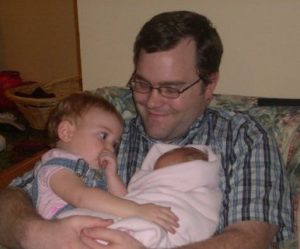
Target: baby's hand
162, 216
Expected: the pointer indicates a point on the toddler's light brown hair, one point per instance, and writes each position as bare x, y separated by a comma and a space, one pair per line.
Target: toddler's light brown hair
73, 107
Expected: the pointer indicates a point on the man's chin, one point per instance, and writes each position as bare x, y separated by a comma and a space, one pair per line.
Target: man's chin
155, 129
157, 135
153, 134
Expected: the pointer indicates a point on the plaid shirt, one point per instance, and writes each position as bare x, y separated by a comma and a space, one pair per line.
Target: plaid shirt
253, 180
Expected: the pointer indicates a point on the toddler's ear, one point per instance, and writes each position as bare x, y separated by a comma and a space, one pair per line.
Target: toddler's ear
65, 131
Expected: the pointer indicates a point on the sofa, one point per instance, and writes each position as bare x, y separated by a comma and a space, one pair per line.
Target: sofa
279, 117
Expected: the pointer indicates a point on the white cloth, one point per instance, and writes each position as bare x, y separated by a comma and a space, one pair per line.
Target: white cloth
192, 191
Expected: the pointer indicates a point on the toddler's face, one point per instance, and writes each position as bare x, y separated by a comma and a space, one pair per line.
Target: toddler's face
96, 132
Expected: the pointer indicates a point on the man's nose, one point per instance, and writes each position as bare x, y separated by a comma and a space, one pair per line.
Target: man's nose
155, 99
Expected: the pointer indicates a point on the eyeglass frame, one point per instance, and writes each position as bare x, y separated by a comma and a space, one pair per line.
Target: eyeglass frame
179, 92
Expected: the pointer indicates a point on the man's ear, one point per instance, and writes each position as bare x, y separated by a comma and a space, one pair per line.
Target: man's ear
210, 88
65, 130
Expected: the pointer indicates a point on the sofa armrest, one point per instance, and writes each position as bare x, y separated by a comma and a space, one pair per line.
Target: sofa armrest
7, 175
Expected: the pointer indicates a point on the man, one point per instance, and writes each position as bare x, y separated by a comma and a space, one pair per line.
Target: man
177, 58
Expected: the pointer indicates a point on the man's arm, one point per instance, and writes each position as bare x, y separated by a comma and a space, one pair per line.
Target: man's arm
21, 227
245, 234
15, 207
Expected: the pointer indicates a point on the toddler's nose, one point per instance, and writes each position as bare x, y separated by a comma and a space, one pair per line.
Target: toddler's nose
109, 147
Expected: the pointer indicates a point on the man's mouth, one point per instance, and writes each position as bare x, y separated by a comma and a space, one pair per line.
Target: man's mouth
157, 113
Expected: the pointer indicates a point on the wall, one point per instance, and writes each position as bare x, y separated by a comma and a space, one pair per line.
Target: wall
261, 40
39, 38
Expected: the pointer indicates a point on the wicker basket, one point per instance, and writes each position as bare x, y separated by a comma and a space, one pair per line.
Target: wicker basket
37, 110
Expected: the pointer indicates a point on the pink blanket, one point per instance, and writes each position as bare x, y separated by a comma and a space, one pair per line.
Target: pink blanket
191, 190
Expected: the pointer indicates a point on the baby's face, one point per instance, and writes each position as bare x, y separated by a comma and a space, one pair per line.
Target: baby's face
180, 155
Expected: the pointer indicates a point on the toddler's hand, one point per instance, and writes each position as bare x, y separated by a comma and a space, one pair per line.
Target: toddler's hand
108, 162
162, 216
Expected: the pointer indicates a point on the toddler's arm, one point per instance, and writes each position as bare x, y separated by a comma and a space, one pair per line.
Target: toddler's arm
71, 189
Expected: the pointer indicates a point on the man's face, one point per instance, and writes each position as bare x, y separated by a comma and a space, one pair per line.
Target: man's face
167, 119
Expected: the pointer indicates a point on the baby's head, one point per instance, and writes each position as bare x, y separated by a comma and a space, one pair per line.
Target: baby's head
180, 155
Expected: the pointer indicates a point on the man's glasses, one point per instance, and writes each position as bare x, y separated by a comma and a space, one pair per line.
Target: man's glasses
166, 91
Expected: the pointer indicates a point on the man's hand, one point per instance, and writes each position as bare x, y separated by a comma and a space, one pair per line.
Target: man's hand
115, 239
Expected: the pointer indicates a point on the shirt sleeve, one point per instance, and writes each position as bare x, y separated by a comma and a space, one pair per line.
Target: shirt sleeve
257, 187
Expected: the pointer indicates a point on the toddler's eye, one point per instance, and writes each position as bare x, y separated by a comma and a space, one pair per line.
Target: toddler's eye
103, 135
